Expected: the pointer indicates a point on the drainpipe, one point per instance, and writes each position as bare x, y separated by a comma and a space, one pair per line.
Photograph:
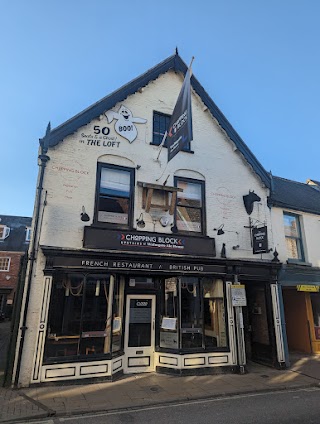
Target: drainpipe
32, 255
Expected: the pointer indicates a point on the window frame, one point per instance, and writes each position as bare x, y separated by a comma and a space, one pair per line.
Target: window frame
6, 232
203, 231
28, 234
9, 263
165, 115
180, 350
100, 166
298, 239
47, 360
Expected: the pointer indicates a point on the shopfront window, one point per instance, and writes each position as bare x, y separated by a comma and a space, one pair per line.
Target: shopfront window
80, 316
214, 314
118, 304
193, 314
169, 330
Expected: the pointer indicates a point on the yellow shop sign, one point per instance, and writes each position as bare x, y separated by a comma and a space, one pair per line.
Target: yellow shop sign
308, 288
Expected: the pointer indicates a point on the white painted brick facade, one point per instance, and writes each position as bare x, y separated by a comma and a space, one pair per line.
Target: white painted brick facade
310, 230
70, 183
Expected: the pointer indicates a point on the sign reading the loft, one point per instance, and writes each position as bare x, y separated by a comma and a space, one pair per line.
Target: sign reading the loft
125, 122
260, 240
99, 137
98, 238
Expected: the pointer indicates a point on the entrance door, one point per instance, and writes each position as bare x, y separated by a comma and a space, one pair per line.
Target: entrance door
258, 325
139, 334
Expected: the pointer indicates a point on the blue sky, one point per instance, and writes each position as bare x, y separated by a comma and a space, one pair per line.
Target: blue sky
258, 60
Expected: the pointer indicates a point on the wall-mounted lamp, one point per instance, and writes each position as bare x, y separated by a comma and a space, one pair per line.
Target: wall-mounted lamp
140, 221
174, 229
84, 215
221, 231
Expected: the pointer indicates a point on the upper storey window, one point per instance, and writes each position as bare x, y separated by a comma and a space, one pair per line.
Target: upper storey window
161, 123
4, 232
115, 195
160, 126
292, 232
190, 214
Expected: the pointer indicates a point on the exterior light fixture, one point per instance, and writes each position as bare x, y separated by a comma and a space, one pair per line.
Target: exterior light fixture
221, 231
140, 221
84, 215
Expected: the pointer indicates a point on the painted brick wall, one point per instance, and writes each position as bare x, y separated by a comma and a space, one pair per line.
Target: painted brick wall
70, 178
70, 182
310, 229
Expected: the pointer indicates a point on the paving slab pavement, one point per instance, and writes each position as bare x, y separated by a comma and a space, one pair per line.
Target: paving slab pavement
144, 390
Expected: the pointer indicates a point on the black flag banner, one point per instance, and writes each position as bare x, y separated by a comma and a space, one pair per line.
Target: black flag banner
180, 128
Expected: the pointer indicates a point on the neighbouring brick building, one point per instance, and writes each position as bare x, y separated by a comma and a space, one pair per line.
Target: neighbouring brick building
14, 242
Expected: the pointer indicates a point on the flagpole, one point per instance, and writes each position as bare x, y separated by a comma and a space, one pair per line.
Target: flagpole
162, 143
191, 65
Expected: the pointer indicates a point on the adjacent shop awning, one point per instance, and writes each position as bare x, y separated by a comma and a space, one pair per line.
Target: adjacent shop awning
299, 275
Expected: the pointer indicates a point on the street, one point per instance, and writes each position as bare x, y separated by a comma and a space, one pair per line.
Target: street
295, 407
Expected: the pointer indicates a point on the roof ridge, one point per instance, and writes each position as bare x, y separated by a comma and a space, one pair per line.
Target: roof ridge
292, 181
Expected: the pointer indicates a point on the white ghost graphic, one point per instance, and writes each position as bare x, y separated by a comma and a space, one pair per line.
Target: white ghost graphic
125, 122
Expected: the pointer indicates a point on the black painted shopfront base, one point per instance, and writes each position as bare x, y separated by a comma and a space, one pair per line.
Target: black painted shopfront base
199, 371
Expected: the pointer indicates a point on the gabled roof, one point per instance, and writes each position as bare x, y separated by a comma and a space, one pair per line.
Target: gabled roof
16, 241
175, 63
294, 195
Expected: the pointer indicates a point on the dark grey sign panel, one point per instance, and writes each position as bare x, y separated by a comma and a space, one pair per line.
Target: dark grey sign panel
260, 240
100, 238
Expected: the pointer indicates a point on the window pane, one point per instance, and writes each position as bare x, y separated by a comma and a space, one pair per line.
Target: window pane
214, 314
114, 210
191, 194
160, 126
191, 313
169, 337
115, 182
118, 315
140, 323
291, 226
80, 318
188, 219
65, 316
293, 248
95, 335
4, 264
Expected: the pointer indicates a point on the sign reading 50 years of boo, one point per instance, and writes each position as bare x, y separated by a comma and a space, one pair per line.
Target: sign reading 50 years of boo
124, 126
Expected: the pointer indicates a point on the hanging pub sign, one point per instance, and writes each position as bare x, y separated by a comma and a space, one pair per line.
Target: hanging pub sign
260, 240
